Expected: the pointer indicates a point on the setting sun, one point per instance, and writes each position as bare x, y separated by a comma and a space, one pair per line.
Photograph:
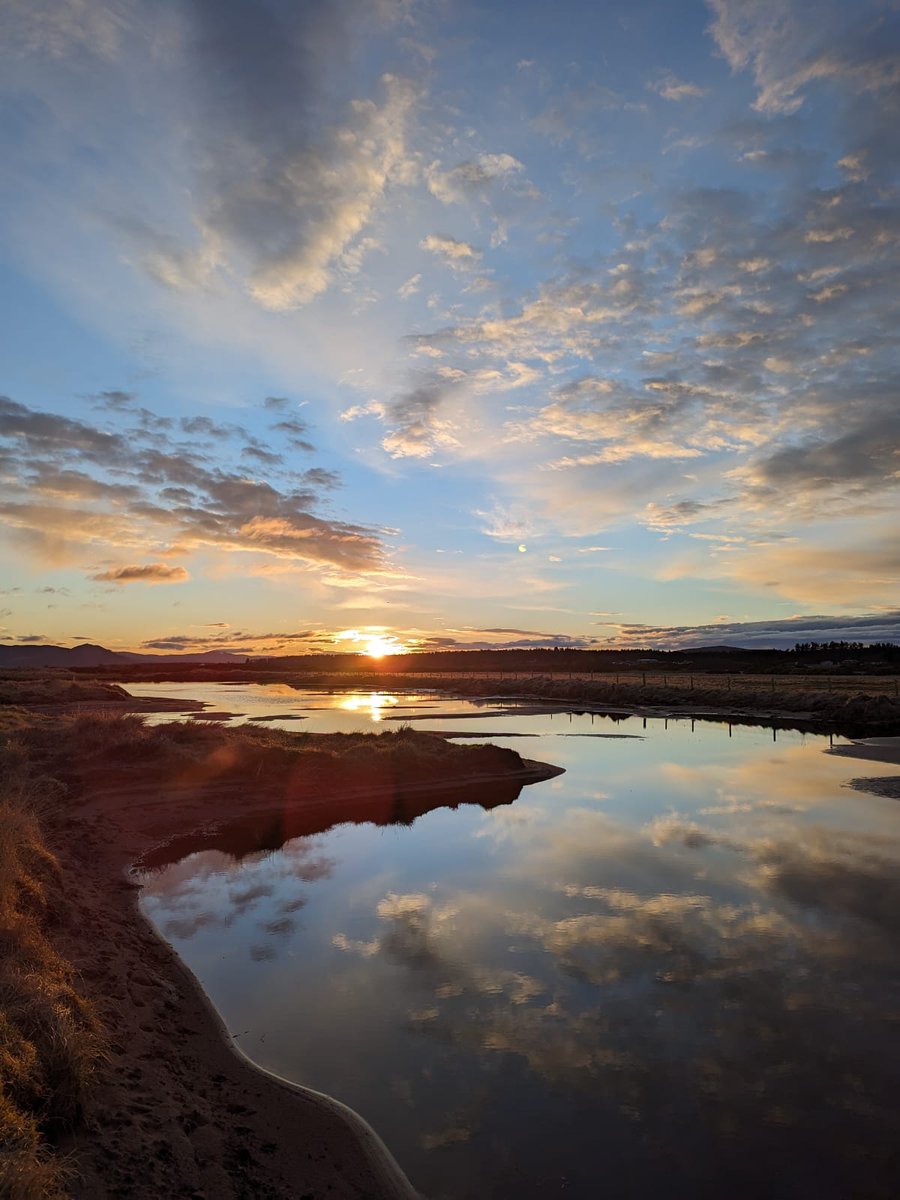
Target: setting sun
378, 647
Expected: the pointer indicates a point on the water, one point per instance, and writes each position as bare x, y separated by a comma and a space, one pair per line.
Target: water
673, 969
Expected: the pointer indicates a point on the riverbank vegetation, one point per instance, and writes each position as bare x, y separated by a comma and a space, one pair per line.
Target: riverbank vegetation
50, 1039
103, 749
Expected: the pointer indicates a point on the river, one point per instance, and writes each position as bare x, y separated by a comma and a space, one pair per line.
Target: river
672, 970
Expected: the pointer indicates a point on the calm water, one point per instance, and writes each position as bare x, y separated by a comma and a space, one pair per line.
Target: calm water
672, 970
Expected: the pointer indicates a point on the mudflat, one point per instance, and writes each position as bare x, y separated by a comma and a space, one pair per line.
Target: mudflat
875, 749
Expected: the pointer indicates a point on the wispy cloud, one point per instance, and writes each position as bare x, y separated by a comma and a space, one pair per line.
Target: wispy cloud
149, 573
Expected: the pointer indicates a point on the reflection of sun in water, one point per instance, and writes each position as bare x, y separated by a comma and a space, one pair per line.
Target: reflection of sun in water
375, 702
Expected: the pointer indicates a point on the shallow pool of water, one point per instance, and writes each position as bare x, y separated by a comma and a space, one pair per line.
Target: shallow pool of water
673, 969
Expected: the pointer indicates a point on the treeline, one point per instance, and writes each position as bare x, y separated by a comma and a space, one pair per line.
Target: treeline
887, 651
843, 656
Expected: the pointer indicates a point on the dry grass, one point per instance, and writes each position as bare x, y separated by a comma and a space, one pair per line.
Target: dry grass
49, 1035
54, 687
106, 749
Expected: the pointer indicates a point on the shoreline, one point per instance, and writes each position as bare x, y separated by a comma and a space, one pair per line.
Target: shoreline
178, 1108
807, 705
875, 749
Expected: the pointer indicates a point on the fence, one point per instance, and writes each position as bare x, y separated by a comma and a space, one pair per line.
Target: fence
848, 685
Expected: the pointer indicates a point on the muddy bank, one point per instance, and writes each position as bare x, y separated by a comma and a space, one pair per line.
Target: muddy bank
175, 1111
876, 749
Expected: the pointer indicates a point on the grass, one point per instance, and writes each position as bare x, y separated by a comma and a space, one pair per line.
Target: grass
106, 749
49, 1035
54, 687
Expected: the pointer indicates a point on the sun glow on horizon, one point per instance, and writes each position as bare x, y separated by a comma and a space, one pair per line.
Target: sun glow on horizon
380, 647
373, 641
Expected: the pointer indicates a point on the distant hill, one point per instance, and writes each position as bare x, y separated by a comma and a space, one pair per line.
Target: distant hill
723, 649
88, 655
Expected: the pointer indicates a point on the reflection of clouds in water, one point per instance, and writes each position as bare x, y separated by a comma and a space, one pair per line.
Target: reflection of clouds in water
264, 952
446, 1137
209, 890
854, 875
791, 780
673, 828
759, 1019
280, 927
411, 906
433, 940
509, 823
355, 946
182, 928
242, 898
851, 875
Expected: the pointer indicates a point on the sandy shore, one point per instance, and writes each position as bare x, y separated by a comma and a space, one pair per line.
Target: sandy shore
875, 749
177, 1112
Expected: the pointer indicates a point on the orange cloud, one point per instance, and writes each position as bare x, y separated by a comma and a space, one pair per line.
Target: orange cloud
151, 573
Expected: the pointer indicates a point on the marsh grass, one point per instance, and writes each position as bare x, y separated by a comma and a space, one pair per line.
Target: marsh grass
55, 687
49, 1035
102, 748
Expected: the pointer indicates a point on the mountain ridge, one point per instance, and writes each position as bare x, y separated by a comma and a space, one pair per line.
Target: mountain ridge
88, 654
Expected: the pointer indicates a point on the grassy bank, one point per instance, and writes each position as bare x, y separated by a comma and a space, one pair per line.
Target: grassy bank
856, 714
55, 687
102, 749
49, 1035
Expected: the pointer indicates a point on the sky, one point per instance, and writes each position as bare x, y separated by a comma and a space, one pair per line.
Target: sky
443, 324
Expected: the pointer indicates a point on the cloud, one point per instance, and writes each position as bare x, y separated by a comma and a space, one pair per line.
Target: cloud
779, 634
57, 28
288, 172
670, 87
410, 287
417, 425
471, 179
240, 641
790, 46
455, 254
60, 495
150, 573
631, 424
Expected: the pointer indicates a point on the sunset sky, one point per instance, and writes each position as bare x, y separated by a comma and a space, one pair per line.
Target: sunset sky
448, 322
